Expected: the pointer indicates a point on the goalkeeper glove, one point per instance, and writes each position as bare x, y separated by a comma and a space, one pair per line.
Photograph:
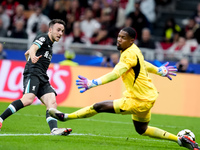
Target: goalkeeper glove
166, 70
85, 84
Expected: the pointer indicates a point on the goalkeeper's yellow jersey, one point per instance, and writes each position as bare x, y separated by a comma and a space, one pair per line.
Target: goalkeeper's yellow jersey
136, 79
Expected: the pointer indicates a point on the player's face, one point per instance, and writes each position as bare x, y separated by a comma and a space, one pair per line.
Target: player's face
56, 31
124, 40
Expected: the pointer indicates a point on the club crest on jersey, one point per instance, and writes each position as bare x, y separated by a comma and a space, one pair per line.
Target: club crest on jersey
33, 88
42, 39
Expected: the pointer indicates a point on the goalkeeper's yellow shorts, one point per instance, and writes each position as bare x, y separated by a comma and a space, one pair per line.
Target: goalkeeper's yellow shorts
140, 109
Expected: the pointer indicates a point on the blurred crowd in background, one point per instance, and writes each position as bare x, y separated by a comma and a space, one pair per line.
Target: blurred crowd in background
99, 21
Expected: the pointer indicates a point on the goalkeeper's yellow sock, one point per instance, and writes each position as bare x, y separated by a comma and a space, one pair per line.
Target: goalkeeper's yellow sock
159, 133
83, 113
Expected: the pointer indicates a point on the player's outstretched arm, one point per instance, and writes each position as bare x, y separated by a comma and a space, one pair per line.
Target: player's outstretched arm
163, 70
84, 84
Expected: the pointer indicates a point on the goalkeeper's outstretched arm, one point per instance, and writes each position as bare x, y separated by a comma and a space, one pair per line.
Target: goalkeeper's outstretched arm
115, 74
163, 70
151, 68
85, 84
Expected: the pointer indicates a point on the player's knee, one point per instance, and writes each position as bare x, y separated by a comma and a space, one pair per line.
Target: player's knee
100, 107
28, 99
97, 107
51, 104
54, 104
140, 130
105, 106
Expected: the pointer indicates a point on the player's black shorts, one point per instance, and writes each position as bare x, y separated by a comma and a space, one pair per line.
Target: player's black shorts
33, 84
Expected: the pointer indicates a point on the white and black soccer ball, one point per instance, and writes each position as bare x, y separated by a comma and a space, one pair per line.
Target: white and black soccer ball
187, 132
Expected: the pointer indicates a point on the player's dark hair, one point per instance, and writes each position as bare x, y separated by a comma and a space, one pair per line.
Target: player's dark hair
131, 32
54, 21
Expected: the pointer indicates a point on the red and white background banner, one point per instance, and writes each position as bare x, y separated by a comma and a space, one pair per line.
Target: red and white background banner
177, 97
11, 80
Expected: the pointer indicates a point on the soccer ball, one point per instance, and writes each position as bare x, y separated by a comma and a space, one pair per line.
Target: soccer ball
187, 132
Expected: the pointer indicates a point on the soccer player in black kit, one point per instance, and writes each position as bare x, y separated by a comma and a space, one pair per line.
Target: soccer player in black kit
36, 81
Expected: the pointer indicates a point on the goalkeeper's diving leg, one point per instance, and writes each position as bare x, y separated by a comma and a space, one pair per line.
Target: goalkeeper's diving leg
89, 111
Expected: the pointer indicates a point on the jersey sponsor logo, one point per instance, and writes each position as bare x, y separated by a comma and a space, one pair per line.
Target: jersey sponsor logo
11, 76
47, 55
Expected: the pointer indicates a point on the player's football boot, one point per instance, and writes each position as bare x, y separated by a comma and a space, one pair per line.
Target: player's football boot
185, 141
57, 114
61, 131
0, 125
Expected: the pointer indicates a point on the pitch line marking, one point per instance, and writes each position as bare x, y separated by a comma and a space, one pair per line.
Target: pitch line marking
81, 134
31, 134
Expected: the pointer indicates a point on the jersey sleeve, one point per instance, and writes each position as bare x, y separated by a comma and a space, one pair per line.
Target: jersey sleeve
151, 68
115, 74
125, 63
39, 40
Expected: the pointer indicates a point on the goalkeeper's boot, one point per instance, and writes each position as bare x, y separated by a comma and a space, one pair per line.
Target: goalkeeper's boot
0, 125
57, 114
185, 141
61, 131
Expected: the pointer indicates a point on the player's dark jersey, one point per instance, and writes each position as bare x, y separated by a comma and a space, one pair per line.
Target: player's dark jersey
45, 49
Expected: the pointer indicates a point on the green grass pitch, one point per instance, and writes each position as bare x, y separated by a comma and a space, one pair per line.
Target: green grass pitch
28, 130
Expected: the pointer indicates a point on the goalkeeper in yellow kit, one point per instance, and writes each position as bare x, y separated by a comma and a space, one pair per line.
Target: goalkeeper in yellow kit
140, 94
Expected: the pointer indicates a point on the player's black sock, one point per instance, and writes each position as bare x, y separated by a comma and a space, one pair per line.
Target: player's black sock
51, 121
12, 108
